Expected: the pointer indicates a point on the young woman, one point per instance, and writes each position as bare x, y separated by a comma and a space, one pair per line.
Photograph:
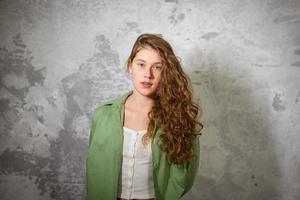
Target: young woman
144, 144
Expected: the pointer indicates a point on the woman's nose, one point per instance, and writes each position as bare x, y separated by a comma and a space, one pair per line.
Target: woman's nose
147, 73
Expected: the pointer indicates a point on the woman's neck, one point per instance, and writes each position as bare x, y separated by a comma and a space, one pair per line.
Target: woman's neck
140, 102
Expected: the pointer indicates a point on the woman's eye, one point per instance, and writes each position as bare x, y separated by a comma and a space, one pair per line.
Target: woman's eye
158, 67
141, 64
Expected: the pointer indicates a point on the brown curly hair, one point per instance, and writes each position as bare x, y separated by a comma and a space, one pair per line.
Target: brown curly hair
174, 110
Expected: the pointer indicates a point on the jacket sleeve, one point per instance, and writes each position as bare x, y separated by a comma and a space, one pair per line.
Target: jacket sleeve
192, 167
94, 123
92, 130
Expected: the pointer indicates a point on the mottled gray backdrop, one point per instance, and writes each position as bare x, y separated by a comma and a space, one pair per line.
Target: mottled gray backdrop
60, 59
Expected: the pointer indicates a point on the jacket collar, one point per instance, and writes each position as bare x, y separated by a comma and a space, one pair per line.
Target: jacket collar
119, 104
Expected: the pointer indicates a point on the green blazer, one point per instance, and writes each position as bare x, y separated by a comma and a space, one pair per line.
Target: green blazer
105, 155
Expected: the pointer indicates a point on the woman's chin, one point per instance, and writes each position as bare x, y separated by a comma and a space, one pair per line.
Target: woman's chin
148, 92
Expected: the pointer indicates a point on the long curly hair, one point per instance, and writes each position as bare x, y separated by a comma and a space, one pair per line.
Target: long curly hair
174, 111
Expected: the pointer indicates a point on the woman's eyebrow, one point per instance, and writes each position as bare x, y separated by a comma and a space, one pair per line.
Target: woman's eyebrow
140, 60
145, 61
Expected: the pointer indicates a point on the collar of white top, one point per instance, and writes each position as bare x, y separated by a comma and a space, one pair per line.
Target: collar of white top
134, 131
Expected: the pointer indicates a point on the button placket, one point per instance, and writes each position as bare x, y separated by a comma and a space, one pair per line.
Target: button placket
131, 169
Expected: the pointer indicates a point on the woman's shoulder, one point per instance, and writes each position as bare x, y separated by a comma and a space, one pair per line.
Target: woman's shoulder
110, 105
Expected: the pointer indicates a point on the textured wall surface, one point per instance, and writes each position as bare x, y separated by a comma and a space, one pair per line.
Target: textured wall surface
60, 59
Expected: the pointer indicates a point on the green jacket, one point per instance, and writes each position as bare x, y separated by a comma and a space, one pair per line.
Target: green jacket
105, 154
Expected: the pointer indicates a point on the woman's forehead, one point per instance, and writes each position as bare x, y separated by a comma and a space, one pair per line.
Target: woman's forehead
148, 54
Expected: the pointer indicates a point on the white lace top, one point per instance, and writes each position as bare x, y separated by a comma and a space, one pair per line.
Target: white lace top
136, 180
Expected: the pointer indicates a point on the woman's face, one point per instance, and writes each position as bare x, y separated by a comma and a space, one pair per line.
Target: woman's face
145, 71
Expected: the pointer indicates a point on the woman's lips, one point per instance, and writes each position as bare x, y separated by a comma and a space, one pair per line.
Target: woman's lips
146, 84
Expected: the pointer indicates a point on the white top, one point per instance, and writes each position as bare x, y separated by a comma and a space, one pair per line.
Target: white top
136, 179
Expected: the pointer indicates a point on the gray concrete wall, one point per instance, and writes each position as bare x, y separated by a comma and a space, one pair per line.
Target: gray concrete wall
59, 60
